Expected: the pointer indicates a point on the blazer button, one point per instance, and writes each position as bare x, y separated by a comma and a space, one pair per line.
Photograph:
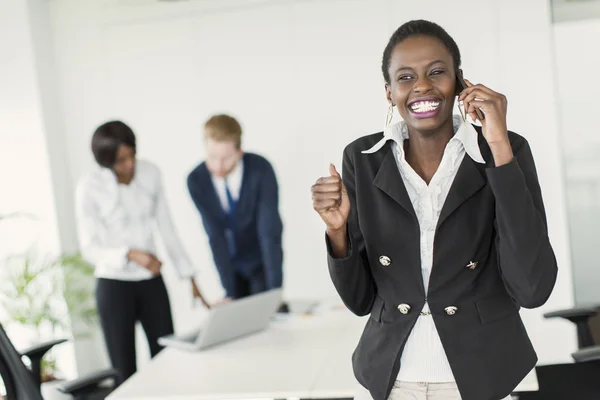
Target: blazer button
404, 308
385, 261
472, 265
451, 310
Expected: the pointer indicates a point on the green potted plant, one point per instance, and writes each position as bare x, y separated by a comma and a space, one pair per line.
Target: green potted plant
45, 295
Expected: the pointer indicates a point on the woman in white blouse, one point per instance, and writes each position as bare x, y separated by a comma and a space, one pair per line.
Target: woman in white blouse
438, 231
118, 207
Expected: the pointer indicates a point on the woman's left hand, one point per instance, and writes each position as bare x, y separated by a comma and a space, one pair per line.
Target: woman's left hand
494, 106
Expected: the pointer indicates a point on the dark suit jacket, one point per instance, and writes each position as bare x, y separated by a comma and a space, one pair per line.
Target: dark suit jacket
258, 228
493, 216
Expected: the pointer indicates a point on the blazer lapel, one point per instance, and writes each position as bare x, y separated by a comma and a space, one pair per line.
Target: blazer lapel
389, 180
467, 182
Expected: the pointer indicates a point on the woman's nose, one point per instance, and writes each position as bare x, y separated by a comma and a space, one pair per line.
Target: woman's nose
422, 85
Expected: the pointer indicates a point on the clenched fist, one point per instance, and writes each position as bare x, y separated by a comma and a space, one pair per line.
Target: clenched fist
330, 200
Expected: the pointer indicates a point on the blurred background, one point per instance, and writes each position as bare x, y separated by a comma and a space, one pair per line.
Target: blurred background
303, 78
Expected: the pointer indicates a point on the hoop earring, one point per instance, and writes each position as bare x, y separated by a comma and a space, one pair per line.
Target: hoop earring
390, 115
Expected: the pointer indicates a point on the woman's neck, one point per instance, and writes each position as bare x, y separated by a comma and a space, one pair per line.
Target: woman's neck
124, 180
424, 150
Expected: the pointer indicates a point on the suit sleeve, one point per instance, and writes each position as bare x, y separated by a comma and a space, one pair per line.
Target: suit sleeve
527, 262
270, 228
216, 237
351, 275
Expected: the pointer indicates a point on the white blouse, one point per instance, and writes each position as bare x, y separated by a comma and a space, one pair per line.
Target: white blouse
424, 358
113, 218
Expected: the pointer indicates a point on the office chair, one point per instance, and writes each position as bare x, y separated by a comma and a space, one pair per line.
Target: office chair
24, 384
580, 316
578, 381
575, 381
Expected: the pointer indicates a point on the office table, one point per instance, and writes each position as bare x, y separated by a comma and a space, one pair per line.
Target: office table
297, 357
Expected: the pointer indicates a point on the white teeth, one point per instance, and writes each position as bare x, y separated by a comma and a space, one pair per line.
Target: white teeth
424, 106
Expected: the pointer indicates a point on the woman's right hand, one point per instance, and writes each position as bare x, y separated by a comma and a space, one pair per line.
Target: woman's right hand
146, 260
330, 200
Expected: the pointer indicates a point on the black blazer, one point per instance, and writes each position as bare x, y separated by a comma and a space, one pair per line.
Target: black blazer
494, 217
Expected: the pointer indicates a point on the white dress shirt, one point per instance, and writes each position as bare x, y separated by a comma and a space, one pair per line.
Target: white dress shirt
233, 181
423, 358
113, 218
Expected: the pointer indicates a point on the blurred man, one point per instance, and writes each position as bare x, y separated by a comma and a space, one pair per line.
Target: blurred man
236, 194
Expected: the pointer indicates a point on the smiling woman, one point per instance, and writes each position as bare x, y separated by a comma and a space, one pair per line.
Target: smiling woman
445, 318
422, 87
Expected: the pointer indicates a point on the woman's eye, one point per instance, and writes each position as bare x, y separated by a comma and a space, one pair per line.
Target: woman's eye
404, 77
437, 72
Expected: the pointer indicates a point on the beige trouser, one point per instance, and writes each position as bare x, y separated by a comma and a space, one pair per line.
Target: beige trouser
425, 391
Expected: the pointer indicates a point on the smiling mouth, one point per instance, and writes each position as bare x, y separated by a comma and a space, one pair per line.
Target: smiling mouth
424, 107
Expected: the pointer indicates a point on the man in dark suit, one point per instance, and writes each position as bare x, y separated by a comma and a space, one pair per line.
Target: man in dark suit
236, 194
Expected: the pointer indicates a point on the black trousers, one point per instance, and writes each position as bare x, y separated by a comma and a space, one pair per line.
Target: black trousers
249, 285
120, 305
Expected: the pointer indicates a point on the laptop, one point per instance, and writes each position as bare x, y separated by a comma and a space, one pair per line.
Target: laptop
229, 321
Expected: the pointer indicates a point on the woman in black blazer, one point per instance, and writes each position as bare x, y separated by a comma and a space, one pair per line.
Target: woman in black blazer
438, 230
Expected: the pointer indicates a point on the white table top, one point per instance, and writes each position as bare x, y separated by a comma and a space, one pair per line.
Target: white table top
298, 356
283, 361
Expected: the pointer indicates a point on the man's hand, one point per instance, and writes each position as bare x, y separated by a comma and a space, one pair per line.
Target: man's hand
224, 300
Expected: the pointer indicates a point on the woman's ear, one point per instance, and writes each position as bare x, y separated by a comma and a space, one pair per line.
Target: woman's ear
388, 94
458, 81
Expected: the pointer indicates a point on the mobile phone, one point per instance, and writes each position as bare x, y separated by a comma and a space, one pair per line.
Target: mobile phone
460, 86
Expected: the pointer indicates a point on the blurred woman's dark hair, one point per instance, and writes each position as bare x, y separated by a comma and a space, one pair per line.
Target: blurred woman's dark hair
106, 141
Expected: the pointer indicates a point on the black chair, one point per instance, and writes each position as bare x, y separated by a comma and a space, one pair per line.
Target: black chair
580, 316
22, 383
575, 381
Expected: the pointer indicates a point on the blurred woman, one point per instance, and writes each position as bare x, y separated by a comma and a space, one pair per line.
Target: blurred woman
118, 207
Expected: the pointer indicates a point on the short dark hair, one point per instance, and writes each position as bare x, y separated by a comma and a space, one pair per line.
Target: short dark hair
418, 27
106, 141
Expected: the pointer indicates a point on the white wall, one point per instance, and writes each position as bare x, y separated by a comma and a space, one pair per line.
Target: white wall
27, 132
581, 143
304, 79
24, 159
